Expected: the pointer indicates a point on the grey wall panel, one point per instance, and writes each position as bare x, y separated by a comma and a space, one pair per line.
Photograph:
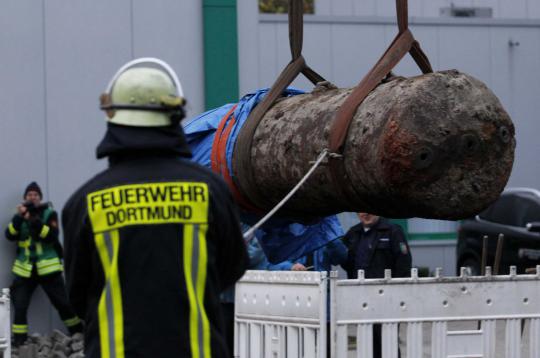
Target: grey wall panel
343, 7
432, 8
386, 8
86, 42
524, 98
364, 8
268, 56
248, 45
415, 8
322, 7
467, 49
533, 9
355, 50
515, 9
22, 128
172, 31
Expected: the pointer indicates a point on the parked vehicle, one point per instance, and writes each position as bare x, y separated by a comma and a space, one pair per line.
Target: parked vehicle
516, 214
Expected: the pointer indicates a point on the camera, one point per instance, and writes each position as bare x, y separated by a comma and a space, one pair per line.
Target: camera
33, 209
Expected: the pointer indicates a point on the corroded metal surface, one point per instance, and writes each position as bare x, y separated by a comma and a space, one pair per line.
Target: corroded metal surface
436, 146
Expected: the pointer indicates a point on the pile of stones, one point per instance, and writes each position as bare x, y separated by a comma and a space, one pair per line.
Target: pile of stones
56, 345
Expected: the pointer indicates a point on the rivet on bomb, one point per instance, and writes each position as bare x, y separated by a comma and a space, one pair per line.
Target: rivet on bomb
504, 134
469, 144
424, 158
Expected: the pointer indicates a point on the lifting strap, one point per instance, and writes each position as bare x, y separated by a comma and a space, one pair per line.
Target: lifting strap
218, 158
242, 162
404, 42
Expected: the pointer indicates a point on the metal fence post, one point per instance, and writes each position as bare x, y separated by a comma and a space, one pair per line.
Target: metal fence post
332, 343
5, 324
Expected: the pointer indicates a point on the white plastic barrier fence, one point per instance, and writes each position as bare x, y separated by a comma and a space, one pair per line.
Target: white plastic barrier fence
439, 303
5, 324
281, 314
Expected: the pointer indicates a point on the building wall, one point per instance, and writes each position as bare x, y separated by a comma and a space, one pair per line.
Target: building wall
507, 9
56, 58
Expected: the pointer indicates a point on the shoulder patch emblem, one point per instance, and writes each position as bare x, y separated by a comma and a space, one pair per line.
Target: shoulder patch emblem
54, 224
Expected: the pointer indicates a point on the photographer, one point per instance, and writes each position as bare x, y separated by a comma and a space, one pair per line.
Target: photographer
35, 228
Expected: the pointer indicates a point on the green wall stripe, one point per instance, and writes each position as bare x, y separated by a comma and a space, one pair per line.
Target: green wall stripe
220, 52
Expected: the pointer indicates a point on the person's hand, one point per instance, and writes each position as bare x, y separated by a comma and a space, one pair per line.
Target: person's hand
23, 211
298, 267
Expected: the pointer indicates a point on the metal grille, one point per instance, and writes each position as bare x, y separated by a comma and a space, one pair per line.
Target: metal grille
438, 304
281, 314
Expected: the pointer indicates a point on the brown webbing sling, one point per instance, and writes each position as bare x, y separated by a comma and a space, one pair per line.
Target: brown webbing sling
242, 157
404, 42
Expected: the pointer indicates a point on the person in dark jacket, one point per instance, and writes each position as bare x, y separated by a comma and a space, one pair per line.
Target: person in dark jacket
152, 240
38, 262
376, 244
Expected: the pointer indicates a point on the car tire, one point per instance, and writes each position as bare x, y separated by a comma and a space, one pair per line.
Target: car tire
472, 265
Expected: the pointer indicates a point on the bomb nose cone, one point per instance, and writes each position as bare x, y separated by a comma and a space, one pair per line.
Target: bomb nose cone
461, 153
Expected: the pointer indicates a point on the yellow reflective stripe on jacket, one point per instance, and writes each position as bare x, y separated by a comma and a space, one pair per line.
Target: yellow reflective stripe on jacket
110, 314
49, 266
39, 249
12, 229
25, 244
19, 328
44, 231
195, 267
72, 321
23, 269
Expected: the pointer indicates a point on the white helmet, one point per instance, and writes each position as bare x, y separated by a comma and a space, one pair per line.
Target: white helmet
144, 93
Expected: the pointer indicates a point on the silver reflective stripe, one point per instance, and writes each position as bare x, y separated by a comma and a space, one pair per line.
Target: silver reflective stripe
108, 295
194, 276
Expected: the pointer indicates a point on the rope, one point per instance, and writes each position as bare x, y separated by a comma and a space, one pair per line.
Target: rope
249, 234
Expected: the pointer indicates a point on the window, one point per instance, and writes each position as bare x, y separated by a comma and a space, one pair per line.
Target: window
282, 6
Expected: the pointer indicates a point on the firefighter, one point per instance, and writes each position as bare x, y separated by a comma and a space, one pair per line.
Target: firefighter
38, 262
152, 240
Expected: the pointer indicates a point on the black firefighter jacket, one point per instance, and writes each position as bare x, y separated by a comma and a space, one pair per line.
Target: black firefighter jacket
384, 246
149, 245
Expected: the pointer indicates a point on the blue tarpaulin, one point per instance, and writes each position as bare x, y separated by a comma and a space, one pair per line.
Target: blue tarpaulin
282, 239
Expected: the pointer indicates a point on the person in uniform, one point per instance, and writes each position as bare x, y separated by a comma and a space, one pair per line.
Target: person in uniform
374, 245
152, 240
38, 262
